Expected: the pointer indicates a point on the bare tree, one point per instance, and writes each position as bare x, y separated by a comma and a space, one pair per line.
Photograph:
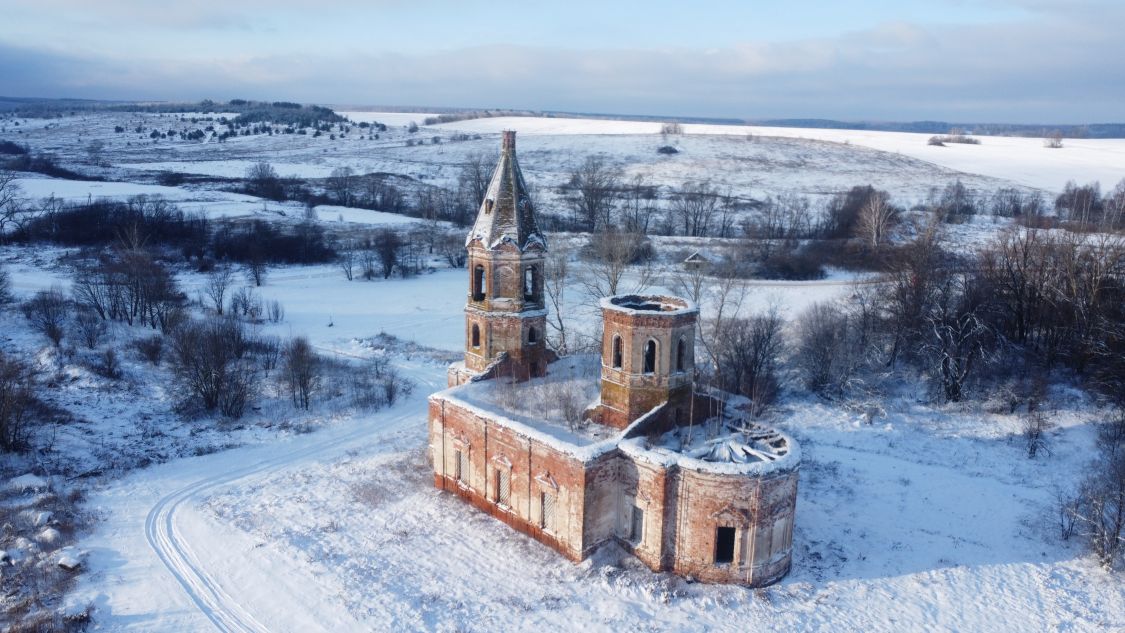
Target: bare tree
749, 351
342, 185
12, 204
48, 311
1054, 140
694, 207
263, 181
1097, 510
555, 281
612, 254
1114, 217
346, 258
256, 268
472, 182
592, 189
387, 247
725, 299
302, 370
216, 286
638, 204
95, 152
451, 246
876, 219
828, 351
958, 333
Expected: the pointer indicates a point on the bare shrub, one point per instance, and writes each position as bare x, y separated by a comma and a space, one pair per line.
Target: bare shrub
208, 358
1035, 425
48, 311
218, 282
108, 365
151, 348
246, 304
376, 384
276, 312
88, 327
301, 371
1054, 140
268, 351
17, 396
5, 286
1097, 509
671, 128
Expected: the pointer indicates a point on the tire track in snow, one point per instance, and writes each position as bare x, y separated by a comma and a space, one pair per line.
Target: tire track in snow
205, 591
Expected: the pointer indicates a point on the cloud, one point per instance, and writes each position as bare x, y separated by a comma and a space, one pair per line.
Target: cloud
1068, 68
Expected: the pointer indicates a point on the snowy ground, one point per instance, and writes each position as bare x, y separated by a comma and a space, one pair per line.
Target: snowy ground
925, 519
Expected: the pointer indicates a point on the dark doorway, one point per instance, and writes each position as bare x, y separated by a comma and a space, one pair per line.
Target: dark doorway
724, 545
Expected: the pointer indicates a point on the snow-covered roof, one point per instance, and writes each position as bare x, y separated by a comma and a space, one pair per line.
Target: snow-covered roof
506, 214
725, 448
649, 304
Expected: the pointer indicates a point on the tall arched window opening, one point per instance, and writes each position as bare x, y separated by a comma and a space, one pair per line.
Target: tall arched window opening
529, 283
478, 283
650, 357
617, 352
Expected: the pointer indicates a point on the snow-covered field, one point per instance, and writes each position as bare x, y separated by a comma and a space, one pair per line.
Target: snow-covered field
924, 518
749, 162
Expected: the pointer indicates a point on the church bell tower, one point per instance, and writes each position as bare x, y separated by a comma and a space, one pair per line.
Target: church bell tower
505, 314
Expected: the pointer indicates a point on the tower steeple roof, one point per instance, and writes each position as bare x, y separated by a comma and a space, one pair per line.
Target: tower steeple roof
506, 214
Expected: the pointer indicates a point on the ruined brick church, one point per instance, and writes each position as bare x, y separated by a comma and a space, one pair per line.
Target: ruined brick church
625, 447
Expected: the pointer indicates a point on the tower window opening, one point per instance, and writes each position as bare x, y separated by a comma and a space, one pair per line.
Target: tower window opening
529, 283
650, 357
478, 283
476, 335
617, 352
532, 335
680, 355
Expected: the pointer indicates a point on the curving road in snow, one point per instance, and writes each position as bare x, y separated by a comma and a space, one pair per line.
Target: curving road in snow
221, 591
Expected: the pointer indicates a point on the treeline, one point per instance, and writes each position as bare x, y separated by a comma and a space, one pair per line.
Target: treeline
468, 115
1091, 130
157, 223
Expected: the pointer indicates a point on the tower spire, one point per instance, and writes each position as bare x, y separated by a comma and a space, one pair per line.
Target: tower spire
506, 214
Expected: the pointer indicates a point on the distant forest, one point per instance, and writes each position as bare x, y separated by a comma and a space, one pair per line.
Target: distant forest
288, 112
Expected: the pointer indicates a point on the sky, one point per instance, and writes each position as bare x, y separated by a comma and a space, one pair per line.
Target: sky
1013, 61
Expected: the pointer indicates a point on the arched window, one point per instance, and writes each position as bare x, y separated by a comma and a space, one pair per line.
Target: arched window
476, 335
617, 352
650, 357
478, 283
532, 335
680, 355
529, 283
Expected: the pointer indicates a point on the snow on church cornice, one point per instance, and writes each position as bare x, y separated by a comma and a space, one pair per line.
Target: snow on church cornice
506, 215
